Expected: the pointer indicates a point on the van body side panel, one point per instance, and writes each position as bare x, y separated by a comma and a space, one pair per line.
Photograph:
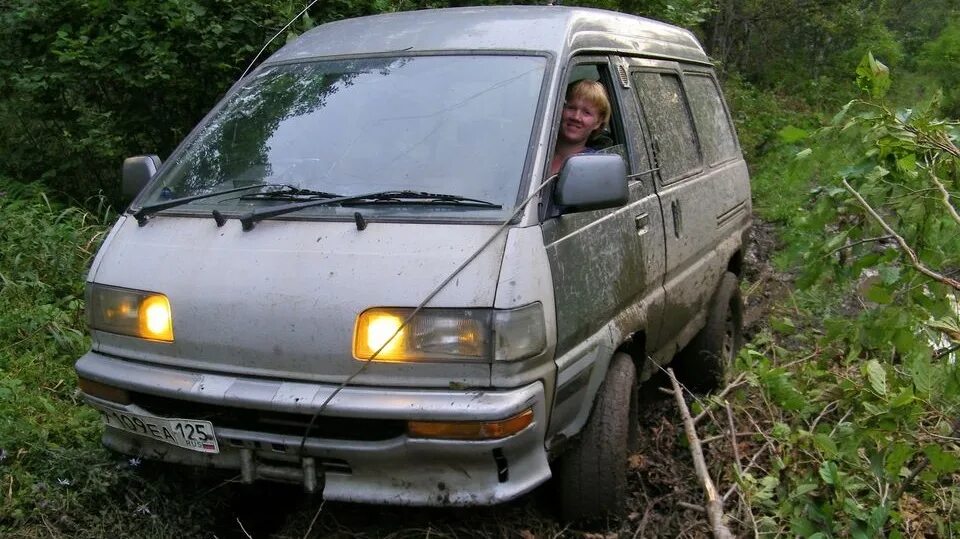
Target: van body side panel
712, 208
649, 224
282, 300
703, 204
606, 286
598, 264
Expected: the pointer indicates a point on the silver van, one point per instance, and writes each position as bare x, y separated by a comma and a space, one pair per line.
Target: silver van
357, 273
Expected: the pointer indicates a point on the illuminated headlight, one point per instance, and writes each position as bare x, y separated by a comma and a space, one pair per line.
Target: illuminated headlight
129, 312
450, 334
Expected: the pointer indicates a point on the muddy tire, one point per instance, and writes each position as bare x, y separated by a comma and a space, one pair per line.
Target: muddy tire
704, 365
592, 475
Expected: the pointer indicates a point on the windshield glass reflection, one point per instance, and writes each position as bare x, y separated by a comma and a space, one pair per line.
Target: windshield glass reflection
446, 124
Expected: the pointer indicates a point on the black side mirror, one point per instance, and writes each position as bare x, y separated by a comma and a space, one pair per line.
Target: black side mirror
592, 182
137, 171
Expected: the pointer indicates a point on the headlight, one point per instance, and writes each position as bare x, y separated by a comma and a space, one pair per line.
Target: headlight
450, 334
129, 312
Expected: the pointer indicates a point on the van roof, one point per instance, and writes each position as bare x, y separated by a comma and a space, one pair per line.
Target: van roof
554, 29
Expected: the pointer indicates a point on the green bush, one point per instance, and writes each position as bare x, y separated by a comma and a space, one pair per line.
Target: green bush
55, 476
87, 83
862, 415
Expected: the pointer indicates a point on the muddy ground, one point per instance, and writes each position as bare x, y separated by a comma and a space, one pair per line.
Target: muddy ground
661, 476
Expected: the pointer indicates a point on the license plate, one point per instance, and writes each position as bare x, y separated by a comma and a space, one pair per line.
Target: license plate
186, 433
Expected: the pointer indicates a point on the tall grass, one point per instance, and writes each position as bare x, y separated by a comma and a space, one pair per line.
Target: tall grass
55, 477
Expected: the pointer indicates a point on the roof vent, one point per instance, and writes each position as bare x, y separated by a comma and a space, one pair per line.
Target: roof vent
622, 73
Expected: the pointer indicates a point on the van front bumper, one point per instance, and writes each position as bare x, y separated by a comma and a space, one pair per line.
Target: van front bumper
397, 469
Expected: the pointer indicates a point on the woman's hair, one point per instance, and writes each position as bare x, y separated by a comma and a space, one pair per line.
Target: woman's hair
593, 92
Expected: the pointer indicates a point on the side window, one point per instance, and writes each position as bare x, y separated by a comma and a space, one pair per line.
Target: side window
716, 135
609, 139
668, 116
640, 166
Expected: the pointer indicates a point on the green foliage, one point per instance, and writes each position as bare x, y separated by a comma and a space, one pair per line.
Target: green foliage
89, 83
873, 77
863, 430
684, 13
940, 58
54, 475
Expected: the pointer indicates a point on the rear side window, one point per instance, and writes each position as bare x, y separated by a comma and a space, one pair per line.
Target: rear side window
716, 135
668, 116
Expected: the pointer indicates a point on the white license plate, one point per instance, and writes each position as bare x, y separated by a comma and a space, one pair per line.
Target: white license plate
187, 433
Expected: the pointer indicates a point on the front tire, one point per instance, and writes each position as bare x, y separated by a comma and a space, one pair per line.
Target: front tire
593, 473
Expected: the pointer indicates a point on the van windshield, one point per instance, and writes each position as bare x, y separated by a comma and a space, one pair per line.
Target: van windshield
459, 125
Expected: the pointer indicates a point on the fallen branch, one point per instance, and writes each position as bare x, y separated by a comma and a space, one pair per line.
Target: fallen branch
714, 505
753, 460
710, 439
733, 439
924, 462
244, 530
693, 507
911, 254
737, 382
946, 351
946, 197
312, 522
642, 527
858, 242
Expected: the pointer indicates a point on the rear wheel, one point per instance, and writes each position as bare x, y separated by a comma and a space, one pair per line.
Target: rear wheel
593, 473
706, 362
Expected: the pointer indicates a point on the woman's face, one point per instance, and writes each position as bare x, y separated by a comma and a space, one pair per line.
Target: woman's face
580, 118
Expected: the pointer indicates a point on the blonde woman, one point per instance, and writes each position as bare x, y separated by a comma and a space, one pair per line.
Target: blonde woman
585, 111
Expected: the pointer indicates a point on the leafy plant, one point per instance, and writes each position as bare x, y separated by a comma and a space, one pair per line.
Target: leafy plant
864, 429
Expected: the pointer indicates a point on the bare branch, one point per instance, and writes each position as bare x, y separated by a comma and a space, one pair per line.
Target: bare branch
946, 197
924, 462
692, 506
914, 261
858, 242
737, 382
733, 439
750, 464
714, 506
312, 522
244, 530
710, 439
946, 351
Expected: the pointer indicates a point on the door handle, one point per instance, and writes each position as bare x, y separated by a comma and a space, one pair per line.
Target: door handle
642, 221
677, 217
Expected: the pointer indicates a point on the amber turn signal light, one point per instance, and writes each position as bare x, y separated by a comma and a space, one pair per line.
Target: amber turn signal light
103, 391
470, 430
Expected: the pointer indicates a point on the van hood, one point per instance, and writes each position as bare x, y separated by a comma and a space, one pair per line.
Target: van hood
281, 300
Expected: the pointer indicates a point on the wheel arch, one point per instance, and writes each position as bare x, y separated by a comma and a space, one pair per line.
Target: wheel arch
635, 346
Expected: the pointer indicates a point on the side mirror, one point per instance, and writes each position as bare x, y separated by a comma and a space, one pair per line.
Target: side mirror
592, 182
137, 171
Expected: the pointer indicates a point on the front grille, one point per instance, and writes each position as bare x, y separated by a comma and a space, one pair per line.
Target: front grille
338, 428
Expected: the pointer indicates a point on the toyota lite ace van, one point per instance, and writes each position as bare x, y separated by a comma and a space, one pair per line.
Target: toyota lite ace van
356, 274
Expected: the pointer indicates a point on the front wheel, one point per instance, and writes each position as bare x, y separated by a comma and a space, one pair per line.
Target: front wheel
593, 473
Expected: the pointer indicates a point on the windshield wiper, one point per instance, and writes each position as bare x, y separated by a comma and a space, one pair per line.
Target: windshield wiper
144, 212
420, 197
396, 197
290, 194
